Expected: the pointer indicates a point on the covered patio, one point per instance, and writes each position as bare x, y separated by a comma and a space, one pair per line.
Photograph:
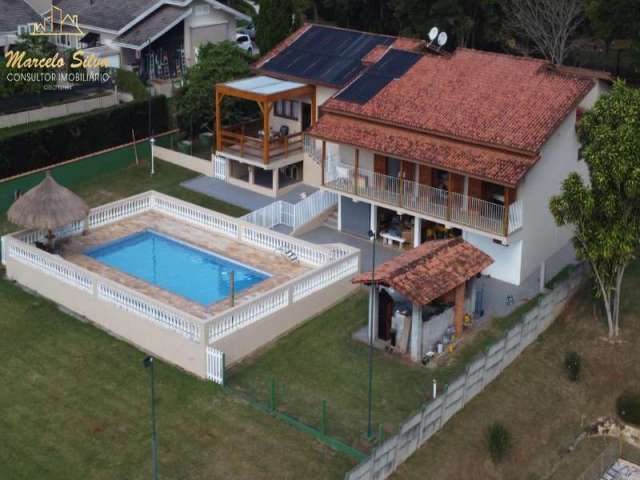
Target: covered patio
270, 137
422, 300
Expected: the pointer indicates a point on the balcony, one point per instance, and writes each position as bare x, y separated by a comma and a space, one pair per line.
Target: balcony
438, 204
247, 140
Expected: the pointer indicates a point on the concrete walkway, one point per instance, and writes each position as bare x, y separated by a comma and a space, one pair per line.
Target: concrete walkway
240, 196
324, 235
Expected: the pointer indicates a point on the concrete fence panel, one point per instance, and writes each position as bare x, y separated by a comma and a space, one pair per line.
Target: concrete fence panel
433, 415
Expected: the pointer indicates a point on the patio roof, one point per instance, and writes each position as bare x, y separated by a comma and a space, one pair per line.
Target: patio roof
263, 88
431, 270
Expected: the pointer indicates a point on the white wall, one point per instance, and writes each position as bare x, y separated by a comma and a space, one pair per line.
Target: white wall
312, 167
215, 17
507, 264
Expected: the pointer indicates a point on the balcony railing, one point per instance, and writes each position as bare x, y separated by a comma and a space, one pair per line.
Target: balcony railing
432, 202
248, 141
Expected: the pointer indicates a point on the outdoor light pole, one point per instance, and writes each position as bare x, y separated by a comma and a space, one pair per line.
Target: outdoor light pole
152, 140
149, 363
372, 235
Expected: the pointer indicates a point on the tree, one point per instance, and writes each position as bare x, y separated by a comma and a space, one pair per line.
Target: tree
547, 27
34, 47
275, 21
605, 214
217, 63
614, 19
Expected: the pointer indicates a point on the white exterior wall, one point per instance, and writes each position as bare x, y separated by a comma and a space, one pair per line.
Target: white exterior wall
312, 167
215, 17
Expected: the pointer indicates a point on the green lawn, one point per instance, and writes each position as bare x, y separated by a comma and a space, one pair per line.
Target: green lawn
134, 179
542, 409
74, 404
320, 361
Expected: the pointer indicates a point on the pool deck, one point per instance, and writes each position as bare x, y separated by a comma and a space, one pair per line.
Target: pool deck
280, 268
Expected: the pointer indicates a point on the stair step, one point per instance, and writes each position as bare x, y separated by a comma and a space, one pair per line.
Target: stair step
332, 221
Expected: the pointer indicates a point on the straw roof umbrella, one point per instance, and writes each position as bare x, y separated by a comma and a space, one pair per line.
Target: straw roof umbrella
48, 206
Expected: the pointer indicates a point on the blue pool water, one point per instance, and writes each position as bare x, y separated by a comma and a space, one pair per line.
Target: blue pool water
199, 276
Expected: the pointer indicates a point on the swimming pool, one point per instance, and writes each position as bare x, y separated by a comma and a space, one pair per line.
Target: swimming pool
172, 265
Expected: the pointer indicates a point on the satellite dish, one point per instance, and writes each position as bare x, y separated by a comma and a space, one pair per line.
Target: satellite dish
433, 33
442, 39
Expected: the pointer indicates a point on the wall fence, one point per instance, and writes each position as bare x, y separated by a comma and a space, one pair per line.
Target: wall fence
432, 416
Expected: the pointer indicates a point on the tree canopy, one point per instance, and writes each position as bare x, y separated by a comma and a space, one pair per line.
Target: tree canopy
275, 21
37, 47
217, 63
605, 212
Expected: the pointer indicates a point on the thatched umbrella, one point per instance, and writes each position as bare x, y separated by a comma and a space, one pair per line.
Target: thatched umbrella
48, 206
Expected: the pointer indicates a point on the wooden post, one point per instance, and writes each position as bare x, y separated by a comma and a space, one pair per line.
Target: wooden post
450, 196
505, 217
314, 107
355, 174
459, 310
324, 161
266, 139
232, 287
218, 121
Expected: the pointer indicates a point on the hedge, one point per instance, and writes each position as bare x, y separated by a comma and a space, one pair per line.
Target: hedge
49, 145
130, 82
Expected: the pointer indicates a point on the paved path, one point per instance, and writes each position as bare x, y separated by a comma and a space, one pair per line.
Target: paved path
241, 196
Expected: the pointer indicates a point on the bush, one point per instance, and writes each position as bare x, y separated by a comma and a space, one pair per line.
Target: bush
573, 365
628, 407
498, 442
130, 83
26, 150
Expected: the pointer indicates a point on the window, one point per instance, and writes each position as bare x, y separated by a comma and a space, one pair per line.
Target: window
202, 10
23, 29
287, 109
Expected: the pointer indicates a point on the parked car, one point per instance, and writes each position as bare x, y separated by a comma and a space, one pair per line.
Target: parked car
250, 30
244, 42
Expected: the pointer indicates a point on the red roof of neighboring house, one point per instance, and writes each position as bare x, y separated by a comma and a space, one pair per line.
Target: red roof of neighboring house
431, 270
486, 163
480, 97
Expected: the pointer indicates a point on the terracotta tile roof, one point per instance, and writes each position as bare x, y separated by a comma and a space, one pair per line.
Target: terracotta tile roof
431, 270
411, 44
376, 54
480, 97
486, 163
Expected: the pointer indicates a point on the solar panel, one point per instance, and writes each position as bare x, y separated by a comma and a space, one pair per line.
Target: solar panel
393, 65
326, 55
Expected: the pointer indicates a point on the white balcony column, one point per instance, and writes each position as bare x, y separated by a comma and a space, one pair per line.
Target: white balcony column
276, 180
373, 225
340, 214
416, 333
252, 174
417, 232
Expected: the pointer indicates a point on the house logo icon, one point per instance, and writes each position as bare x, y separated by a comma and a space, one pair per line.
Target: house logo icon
56, 22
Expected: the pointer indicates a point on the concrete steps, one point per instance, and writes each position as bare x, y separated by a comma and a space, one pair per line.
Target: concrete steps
332, 220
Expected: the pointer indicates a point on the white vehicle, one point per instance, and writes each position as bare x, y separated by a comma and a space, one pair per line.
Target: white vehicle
244, 42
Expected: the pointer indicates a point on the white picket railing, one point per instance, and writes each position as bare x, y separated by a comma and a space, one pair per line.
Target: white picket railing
280, 297
437, 203
116, 211
293, 215
220, 168
104, 289
215, 365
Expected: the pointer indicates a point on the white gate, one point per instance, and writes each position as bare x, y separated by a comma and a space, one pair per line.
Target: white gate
215, 365
220, 167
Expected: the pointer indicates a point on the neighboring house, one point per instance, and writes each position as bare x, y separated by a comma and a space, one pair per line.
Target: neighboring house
14, 21
156, 38
420, 144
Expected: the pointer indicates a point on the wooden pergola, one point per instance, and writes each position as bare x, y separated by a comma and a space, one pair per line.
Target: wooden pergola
265, 91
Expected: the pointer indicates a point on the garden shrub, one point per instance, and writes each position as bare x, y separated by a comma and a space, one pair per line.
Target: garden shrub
573, 365
26, 150
628, 407
498, 442
129, 82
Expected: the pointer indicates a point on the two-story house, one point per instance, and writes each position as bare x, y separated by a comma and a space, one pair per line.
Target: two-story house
158, 39
419, 144
14, 21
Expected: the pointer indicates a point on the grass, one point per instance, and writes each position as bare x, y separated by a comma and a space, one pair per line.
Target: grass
544, 410
74, 404
320, 361
134, 179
